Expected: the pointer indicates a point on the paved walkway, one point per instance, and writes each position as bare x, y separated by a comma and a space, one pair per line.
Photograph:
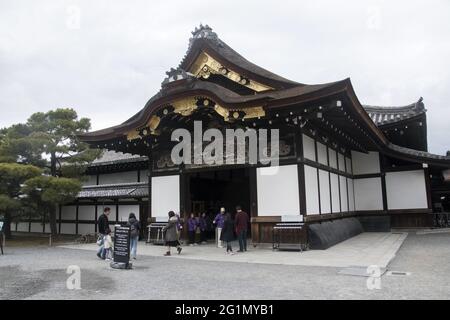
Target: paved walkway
370, 248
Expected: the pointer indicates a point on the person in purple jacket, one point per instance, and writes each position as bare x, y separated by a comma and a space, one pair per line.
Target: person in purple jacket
192, 225
218, 222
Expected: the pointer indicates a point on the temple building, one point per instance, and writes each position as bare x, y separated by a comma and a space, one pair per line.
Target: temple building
339, 160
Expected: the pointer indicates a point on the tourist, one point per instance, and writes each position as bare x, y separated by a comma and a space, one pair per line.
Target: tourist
1, 236
108, 244
218, 221
103, 229
179, 226
203, 226
135, 228
170, 234
227, 234
241, 228
192, 225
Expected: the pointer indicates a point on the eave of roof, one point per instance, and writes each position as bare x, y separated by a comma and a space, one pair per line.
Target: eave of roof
224, 96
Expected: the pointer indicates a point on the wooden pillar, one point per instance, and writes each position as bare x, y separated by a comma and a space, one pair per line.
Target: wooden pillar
329, 179
117, 210
318, 177
253, 192
183, 191
29, 222
76, 219
43, 223
383, 181
60, 218
96, 215
338, 179
150, 171
301, 170
426, 172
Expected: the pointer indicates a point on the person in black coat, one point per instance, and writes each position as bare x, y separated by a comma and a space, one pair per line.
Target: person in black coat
103, 229
227, 234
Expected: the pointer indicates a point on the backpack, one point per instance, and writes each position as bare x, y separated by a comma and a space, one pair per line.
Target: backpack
134, 232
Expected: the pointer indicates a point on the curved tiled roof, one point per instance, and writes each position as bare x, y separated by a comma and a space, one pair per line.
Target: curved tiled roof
122, 190
113, 157
388, 115
205, 37
423, 155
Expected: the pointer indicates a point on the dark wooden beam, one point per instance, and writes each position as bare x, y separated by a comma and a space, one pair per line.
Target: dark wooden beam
383, 180
300, 170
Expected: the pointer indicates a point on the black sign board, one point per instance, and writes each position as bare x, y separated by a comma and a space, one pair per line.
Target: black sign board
122, 244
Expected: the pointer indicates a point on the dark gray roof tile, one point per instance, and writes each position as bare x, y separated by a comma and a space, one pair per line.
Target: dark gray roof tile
387, 115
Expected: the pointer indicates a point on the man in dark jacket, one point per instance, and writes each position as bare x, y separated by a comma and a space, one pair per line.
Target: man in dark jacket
241, 222
103, 229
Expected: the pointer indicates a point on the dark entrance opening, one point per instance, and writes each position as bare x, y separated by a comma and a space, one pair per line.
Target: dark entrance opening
211, 190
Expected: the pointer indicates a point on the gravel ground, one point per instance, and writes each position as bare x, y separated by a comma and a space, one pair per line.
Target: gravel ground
40, 273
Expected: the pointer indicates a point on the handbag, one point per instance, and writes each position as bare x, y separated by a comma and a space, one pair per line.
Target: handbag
100, 240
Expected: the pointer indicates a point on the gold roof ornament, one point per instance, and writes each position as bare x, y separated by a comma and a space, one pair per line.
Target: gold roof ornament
186, 107
205, 65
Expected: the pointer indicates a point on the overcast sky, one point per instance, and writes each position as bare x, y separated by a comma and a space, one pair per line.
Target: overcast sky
107, 58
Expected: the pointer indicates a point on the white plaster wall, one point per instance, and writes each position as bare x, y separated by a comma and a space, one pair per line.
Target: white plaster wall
335, 192
348, 163
67, 228
351, 195
91, 180
23, 226
86, 212
368, 194
365, 163
118, 177
312, 191
125, 210
332, 158
324, 183
144, 175
277, 189
36, 227
47, 227
68, 212
341, 160
343, 186
322, 153
309, 150
84, 228
165, 195
406, 190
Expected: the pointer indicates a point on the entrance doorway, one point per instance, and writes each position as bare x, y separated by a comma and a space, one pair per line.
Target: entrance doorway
211, 190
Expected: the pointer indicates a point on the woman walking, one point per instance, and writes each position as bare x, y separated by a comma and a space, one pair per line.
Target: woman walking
227, 234
170, 234
135, 228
